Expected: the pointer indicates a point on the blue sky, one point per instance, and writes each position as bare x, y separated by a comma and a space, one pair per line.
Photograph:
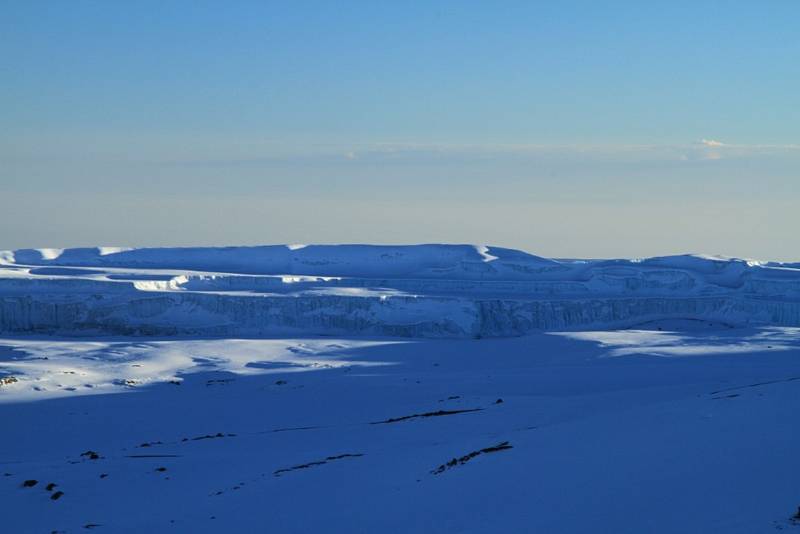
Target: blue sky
564, 128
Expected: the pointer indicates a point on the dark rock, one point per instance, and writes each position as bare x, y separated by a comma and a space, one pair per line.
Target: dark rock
319, 462
439, 413
467, 457
8, 380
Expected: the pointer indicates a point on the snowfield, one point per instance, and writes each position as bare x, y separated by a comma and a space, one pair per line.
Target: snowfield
435, 388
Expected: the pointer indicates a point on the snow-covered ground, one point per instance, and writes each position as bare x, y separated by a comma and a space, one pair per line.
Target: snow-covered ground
674, 431
439, 388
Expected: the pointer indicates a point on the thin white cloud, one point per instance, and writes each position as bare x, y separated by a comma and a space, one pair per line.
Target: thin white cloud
711, 143
267, 152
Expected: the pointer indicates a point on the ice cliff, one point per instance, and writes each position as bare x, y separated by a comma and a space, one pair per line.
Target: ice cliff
419, 291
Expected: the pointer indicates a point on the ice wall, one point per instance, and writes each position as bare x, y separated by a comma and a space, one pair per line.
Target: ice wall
427, 290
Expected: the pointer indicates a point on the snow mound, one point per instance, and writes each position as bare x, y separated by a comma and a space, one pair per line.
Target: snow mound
424, 261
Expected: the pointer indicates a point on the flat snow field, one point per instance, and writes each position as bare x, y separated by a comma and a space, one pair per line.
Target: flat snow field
674, 431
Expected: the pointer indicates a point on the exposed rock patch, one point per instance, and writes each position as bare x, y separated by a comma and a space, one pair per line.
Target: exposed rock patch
279, 472
467, 457
438, 413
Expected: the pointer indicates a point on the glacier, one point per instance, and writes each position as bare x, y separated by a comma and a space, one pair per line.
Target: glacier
396, 389
449, 291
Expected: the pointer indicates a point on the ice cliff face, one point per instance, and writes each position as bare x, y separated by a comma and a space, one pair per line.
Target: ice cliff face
424, 290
